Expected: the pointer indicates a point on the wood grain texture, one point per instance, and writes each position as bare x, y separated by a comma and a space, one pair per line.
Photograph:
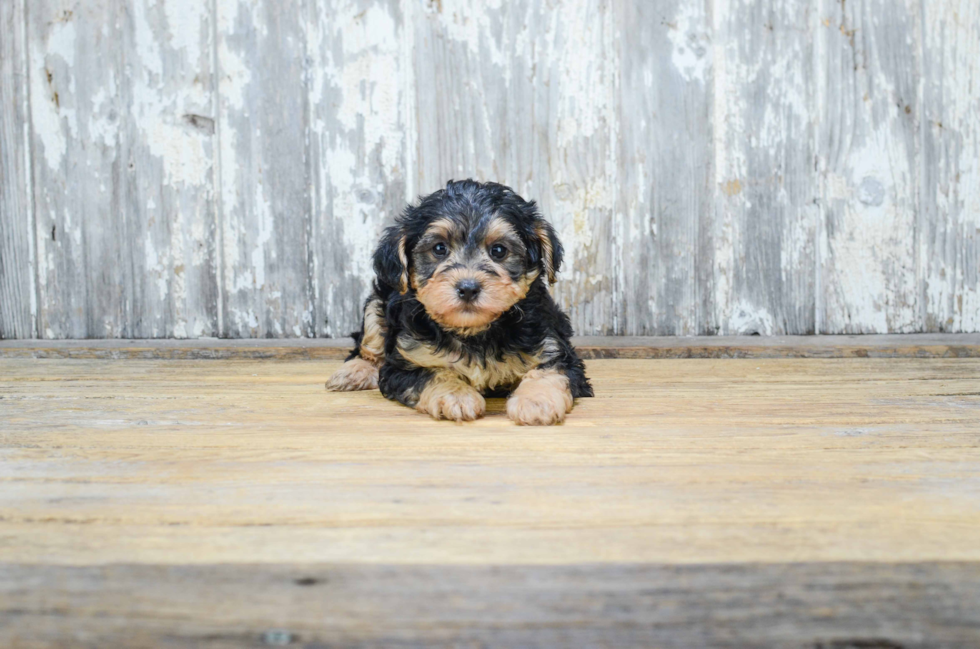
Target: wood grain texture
825, 605
224, 168
763, 236
782, 502
359, 100
676, 462
266, 220
18, 301
869, 156
665, 162
949, 225
122, 142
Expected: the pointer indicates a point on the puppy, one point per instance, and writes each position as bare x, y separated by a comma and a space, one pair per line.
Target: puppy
460, 310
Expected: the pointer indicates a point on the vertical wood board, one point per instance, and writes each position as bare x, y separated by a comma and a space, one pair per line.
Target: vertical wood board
122, 141
949, 223
869, 67
358, 98
18, 304
765, 191
664, 165
266, 237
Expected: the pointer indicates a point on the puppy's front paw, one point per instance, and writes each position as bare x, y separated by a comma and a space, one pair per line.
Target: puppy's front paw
542, 399
451, 398
355, 374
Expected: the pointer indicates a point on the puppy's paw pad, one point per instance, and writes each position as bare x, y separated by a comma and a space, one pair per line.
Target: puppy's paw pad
456, 405
355, 374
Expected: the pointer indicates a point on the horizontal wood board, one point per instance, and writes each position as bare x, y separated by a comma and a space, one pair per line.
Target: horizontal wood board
760, 502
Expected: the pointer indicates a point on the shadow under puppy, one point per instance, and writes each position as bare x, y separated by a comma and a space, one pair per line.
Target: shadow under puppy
460, 309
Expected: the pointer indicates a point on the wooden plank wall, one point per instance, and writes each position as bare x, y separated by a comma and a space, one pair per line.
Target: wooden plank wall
177, 168
18, 307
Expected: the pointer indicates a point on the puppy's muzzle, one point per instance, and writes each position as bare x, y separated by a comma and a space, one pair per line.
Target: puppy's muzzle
468, 290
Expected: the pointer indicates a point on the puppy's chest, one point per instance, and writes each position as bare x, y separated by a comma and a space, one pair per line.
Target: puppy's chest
483, 373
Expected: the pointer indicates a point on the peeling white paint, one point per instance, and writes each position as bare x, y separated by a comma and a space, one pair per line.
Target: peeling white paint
577, 211
51, 104
264, 216
949, 245
357, 95
748, 319
45, 118
471, 23
61, 41
158, 110
185, 23
366, 80
235, 77
586, 80
871, 242
534, 98
691, 42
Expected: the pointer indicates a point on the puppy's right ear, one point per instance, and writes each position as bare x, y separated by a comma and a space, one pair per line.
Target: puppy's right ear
391, 261
551, 251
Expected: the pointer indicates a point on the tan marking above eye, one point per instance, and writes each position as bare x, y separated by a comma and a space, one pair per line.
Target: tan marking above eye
499, 229
441, 229
501, 232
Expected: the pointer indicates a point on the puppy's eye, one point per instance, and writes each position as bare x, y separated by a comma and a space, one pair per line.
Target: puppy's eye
440, 250
497, 251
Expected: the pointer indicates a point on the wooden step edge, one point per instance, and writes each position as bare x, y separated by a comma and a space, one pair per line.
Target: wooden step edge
589, 347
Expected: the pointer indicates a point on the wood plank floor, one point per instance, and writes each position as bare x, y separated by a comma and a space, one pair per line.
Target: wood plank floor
763, 502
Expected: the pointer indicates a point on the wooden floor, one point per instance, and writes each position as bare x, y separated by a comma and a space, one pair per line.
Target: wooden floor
760, 502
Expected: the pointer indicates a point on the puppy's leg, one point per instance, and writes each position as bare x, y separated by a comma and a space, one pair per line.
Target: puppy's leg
360, 372
355, 374
447, 395
543, 398
443, 394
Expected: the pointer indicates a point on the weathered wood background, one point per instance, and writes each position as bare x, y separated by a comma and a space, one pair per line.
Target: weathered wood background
179, 168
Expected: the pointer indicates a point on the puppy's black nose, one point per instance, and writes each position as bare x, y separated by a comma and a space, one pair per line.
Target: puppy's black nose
468, 290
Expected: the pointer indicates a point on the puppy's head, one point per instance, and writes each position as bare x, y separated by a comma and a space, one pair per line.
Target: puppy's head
469, 252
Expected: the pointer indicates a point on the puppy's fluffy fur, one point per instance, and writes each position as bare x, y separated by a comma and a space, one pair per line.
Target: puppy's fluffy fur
460, 310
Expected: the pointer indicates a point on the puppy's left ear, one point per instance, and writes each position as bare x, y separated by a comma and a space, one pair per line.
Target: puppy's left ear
391, 260
550, 249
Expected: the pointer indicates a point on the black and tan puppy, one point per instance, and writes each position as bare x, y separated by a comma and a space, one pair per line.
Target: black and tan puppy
460, 309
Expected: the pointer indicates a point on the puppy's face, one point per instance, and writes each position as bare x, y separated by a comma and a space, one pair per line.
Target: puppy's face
470, 253
467, 272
